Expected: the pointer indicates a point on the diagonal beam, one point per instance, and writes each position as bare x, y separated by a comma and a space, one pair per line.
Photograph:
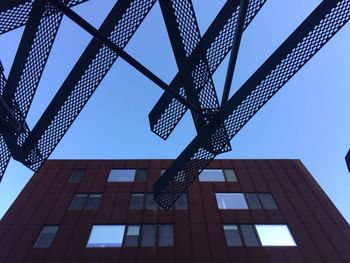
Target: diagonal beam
235, 48
30, 60
316, 30
4, 151
15, 13
184, 35
213, 47
120, 52
120, 25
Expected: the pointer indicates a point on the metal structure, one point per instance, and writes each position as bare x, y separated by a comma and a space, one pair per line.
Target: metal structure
197, 58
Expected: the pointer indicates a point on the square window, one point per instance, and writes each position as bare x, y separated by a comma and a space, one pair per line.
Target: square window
76, 176
231, 201
249, 236
136, 201
46, 237
148, 235
253, 201
212, 175
230, 175
132, 236
233, 238
121, 175
150, 203
141, 175
93, 202
106, 236
267, 201
78, 202
166, 236
181, 202
275, 235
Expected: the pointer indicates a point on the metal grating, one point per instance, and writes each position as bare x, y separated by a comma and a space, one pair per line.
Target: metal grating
181, 174
291, 62
34, 65
18, 15
168, 111
314, 33
92, 75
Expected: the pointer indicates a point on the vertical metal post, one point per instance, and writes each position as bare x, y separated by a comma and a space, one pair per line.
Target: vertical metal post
243, 7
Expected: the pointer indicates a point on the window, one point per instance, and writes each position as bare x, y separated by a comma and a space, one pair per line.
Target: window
127, 175
46, 237
275, 235
231, 201
253, 201
76, 176
78, 202
258, 235
218, 175
267, 201
93, 202
148, 235
146, 201
249, 236
260, 201
85, 201
149, 201
132, 236
233, 238
136, 201
166, 236
106, 236
181, 202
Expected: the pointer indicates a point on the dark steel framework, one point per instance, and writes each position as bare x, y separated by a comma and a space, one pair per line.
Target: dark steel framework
197, 58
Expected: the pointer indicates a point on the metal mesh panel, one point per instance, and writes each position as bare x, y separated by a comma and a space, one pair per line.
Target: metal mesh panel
5, 156
290, 64
223, 42
200, 85
175, 182
18, 15
2, 83
34, 66
187, 25
4, 151
170, 111
89, 80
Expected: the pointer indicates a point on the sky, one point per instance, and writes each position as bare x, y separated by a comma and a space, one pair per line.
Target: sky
307, 119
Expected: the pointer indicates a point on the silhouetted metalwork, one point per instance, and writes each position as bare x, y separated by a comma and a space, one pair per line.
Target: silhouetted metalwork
347, 160
197, 59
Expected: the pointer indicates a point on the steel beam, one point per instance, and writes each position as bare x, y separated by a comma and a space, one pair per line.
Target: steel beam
315, 31
213, 47
120, 25
15, 13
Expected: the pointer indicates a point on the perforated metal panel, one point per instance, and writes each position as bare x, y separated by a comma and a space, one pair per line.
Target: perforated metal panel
294, 57
18, 15
314, 32
168, 111
4, 151
28, 81
93, 73
181, 174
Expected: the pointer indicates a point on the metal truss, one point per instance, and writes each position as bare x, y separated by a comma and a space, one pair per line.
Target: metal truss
197, 58
316, 30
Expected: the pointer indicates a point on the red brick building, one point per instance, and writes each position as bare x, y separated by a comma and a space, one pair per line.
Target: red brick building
238, 211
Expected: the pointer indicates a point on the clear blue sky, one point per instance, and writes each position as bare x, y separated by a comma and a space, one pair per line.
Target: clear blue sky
308, 119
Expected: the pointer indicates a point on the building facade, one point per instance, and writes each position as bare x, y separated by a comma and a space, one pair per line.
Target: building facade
238, 211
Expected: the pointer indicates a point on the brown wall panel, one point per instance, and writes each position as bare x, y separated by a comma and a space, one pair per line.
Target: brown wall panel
321, 233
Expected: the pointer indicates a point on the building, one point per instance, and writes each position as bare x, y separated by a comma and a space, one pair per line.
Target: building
239, 211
